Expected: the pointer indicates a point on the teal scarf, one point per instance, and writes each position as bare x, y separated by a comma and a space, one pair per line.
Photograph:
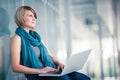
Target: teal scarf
28, 56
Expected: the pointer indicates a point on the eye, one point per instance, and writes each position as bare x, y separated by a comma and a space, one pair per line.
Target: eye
30, 15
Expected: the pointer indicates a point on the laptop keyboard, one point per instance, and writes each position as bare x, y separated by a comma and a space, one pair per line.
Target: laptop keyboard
56, 72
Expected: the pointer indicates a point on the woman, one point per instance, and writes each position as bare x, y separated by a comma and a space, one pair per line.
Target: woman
28, 53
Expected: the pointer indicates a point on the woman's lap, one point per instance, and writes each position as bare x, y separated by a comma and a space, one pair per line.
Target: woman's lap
65, 77
71, 76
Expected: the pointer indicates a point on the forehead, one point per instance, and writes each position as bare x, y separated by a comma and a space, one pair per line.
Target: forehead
28, 12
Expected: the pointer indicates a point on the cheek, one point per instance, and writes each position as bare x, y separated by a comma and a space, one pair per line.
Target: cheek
27, 20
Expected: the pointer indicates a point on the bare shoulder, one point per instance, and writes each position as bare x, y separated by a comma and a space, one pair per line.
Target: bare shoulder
16, 39
15, 45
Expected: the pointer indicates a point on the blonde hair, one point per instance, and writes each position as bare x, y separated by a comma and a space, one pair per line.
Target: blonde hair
19, 15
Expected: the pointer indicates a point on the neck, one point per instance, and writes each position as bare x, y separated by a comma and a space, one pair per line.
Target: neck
27, 29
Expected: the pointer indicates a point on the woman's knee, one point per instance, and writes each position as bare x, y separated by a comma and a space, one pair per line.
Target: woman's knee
79, 76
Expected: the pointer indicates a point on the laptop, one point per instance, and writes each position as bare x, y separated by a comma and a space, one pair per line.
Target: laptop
74, 63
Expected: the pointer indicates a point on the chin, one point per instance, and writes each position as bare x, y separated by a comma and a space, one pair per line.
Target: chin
32, 27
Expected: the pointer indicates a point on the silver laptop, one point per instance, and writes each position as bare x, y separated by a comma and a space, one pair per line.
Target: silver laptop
75, 62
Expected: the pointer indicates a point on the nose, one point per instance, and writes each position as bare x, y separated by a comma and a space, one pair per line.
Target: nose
34, 19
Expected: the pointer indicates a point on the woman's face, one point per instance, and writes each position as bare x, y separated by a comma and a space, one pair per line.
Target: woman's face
29, 19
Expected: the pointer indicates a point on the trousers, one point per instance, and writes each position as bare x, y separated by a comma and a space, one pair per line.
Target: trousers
71, 76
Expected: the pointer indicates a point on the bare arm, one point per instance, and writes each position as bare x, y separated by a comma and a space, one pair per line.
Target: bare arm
15, 49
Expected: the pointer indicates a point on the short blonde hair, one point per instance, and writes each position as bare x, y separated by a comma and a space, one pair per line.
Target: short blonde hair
19, 15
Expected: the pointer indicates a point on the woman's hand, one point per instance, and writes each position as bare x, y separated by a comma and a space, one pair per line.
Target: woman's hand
60, 66
47, 69
57, 62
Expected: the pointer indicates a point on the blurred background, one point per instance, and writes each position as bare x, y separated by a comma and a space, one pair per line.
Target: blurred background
67, 27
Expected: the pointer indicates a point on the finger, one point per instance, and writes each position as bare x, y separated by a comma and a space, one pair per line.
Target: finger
58, 67
62, 67
53, 69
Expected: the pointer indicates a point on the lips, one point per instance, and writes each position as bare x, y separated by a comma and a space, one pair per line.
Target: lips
33, 22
